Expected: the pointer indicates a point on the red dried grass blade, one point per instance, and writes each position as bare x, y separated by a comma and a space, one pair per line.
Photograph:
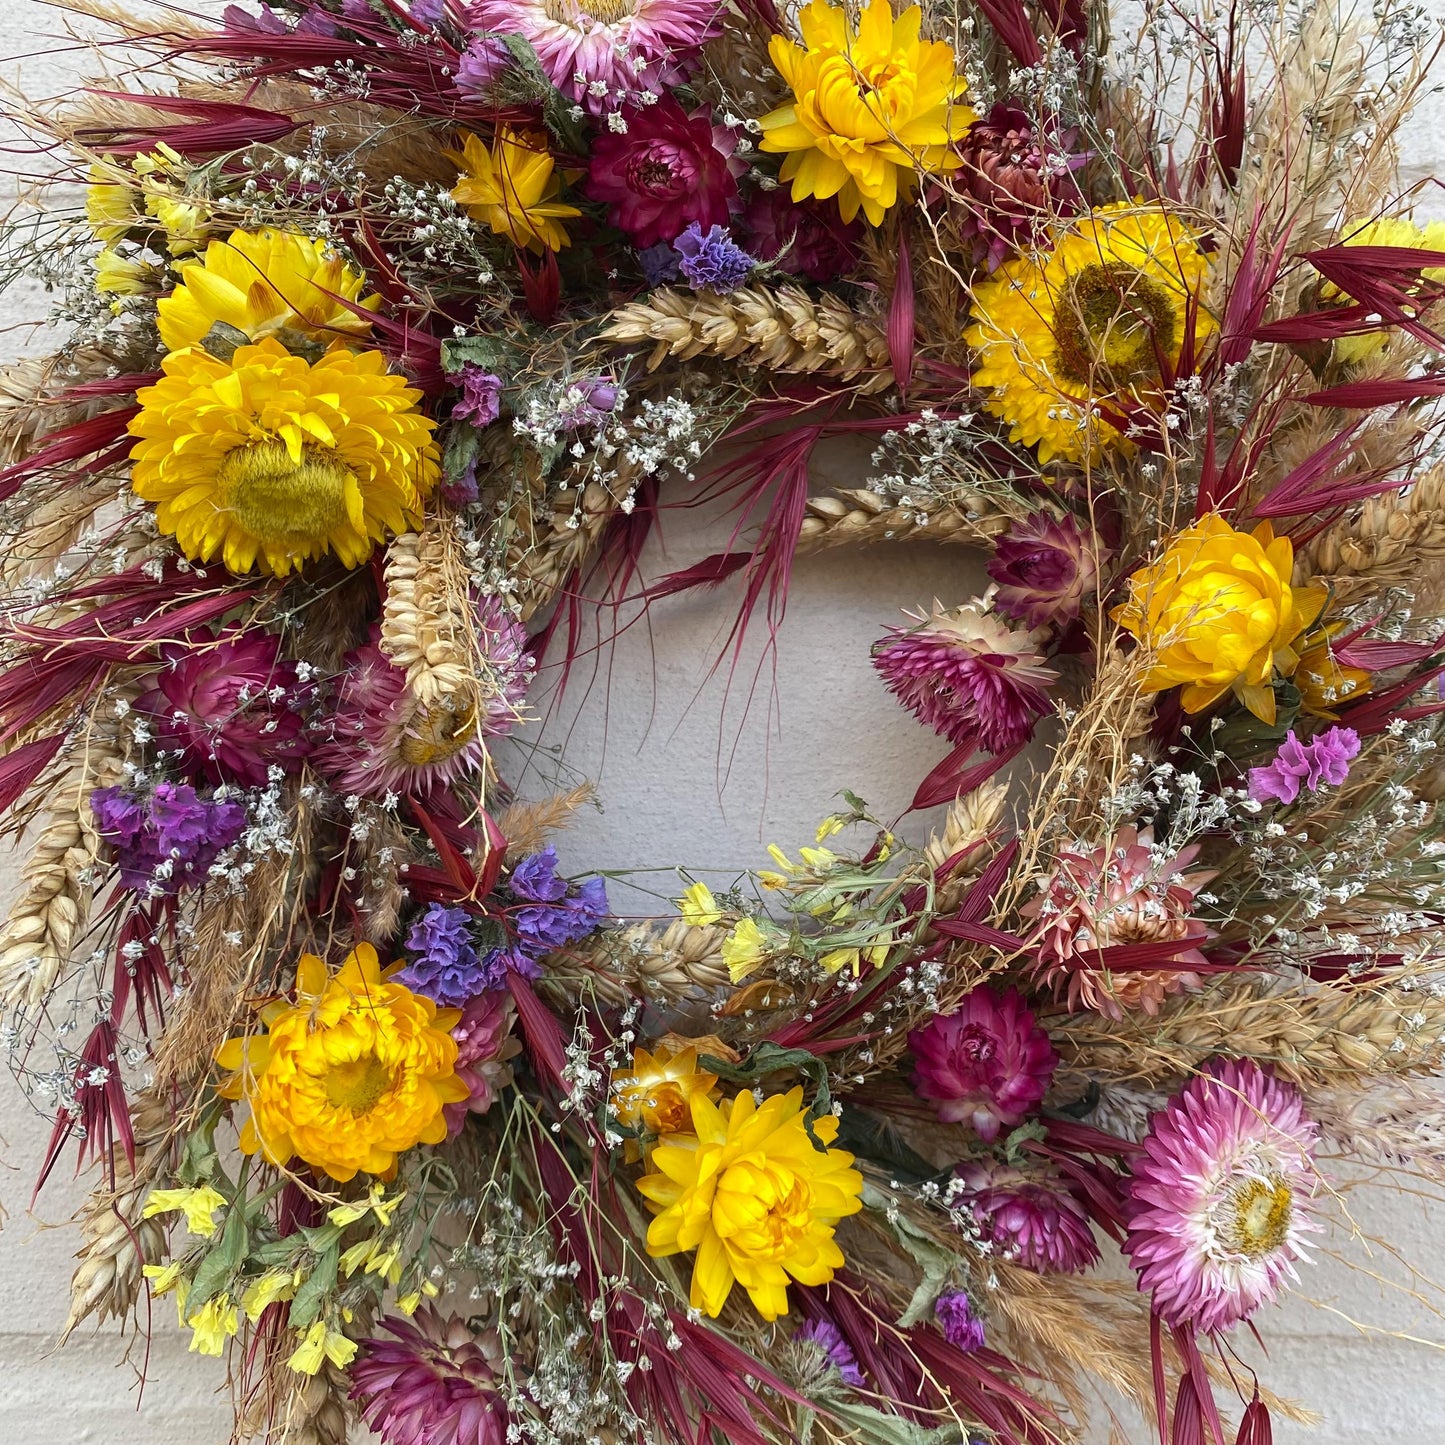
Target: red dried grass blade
21, 766
1254, 1424
218, 126
69, 444
1390, 391
1011, 23
901, 319
952, 779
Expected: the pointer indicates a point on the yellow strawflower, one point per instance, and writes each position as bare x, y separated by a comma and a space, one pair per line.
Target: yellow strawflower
1059, 334
199, 1206
268, 461
259, 283
872, 107
656, 1093
322, 1343
1387, 231
697, 907
1219, 614
352, 1074
512, 186
750, 1192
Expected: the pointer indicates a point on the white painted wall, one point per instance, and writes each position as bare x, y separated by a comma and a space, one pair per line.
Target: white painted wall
663, 800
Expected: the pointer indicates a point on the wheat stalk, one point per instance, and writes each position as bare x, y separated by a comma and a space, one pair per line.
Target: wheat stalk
782, 330
425, 626
668, 963
857, 517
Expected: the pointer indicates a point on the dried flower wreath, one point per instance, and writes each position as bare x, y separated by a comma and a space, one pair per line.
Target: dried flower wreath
389, 325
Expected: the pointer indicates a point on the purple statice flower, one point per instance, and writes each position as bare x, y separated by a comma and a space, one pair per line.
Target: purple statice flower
1325, 758
241, 22
481, 399
961, 1327
552, 914
428, 12
659, 264
443, 964
482, 64
712, 259
829, 1338
165, 840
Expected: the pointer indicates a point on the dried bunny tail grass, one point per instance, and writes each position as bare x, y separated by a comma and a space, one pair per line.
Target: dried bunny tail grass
669, 964
781, 330
1306, 1034
428, 621
527, 826
855, 517
1399, 1121
116, 1243
49, 916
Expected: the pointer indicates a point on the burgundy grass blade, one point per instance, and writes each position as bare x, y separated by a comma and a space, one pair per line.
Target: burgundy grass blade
217, 126
20, 767
901, 319
1011, 23
69, 444
952, 779
1389, 391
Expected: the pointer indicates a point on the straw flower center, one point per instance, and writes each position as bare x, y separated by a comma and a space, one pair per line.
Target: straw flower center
1112, 324
357, 1085
1254, 1217
283, 502
763, 1208
435, 734
572, 14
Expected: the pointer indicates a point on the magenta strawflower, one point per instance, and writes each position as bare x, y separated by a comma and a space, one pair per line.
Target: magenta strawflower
1127, 891
1325, 758
1222, 1199
669, 168
967, 675
987, 1064
1045, 569
227, 708
433, 1384
802, 238
1033, 1218
380, 739
606, 56
484, 1047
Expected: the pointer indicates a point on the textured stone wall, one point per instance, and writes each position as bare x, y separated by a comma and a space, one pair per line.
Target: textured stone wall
671, 791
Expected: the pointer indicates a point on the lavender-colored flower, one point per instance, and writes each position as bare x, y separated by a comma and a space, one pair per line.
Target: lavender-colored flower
659, 264
1325, 758
535, 877
480, 403
1045, 569
967, 675
444, 964
461, 490
829, 1338
712, 259
428, 12
165, 840
485, 1044
961, 1327
544, 927
1032, 1218
987, 1064
481, 65
241, 22
434, 1382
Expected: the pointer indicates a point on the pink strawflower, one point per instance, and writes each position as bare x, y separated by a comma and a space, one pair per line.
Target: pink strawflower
434, 1384
484, 1047
380, 739
608, 53
1324, 759
1124, 892
987, 1064
228, 707
1045, 569
669, 168
1033, 1218
803, 238
968, 675
1223, 1197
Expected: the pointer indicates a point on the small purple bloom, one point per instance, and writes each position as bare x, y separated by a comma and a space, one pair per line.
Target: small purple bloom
829, 1338
167, 840
554, 915
659, 264
961, 1327
482, 63
480, 402
497, 964
535, 878
602, 396
428, 12
444, 964
461, 490
237, 21
1324, 759
712, 259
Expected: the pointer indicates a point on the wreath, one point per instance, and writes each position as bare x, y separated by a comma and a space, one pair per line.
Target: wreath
391, 324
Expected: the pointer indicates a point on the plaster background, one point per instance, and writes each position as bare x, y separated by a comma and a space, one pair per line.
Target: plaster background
673, 788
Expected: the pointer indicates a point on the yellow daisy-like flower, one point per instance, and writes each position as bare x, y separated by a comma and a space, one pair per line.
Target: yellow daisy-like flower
872, 107
269, 461
752, 1194
656, 1093
1219, 614
259, 283
513, 186
352, 1074
1387, 231
1062, 333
